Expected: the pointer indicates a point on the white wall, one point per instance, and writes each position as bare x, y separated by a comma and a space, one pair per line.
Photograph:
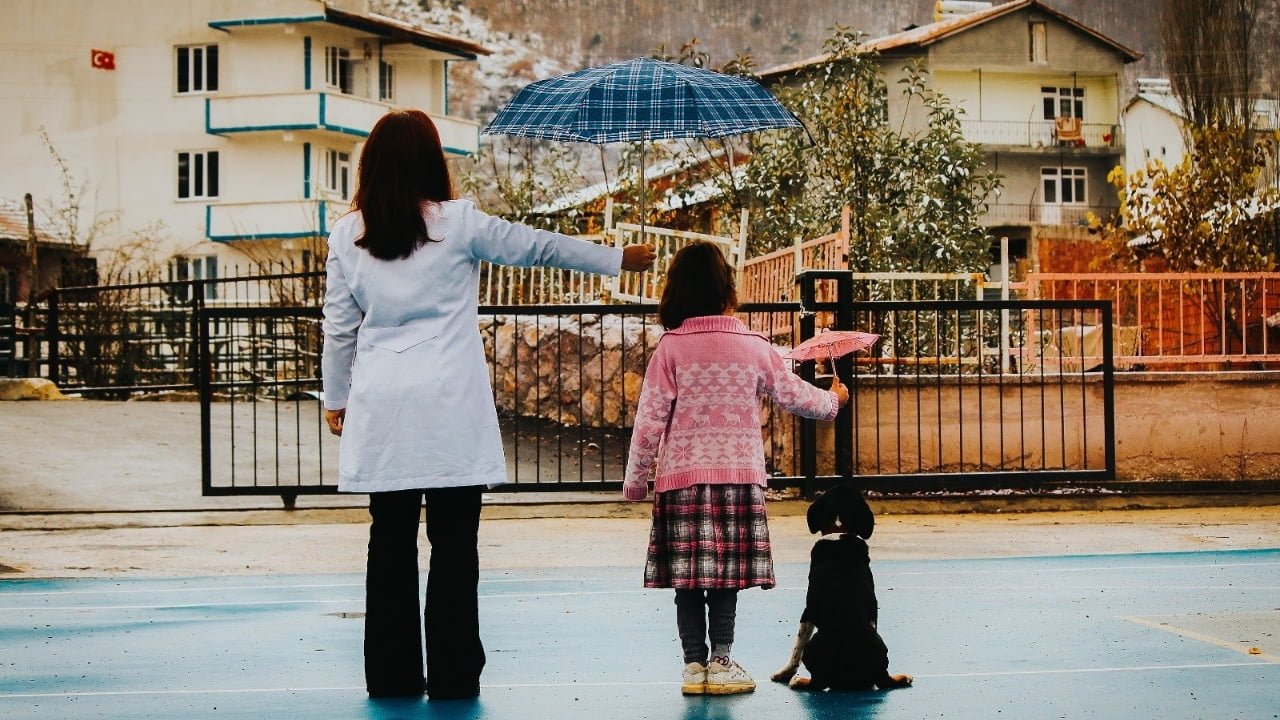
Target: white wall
1151, 133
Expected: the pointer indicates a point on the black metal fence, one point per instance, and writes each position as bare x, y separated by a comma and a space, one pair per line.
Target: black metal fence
941, 403
112, 341
9, 366
957, 395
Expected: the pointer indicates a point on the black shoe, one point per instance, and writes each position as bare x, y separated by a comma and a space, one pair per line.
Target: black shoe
455, 692
394, 691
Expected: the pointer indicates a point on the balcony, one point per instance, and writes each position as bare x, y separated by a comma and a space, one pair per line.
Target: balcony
281, 220
1036, 214
1041, 135
326, 115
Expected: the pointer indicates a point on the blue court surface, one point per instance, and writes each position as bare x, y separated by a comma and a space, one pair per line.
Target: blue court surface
1189, 635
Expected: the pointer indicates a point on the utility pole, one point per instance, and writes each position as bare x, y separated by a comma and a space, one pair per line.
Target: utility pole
33, 250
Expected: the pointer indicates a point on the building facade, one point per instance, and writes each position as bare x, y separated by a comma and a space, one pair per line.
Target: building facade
225, 132
1040, 92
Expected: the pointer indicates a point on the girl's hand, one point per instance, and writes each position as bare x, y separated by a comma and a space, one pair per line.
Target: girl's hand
334, 418
635, 491
842, 392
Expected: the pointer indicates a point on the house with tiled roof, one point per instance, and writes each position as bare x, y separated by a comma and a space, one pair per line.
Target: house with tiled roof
20, 235
230, 129
1040, 91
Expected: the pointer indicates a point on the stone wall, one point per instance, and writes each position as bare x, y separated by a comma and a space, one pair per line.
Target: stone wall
573, 370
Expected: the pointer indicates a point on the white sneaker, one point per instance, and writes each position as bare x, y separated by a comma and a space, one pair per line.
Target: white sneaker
728, 679
693, 681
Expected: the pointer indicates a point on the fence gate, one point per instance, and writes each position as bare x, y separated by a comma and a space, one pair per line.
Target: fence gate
262, 428
964, 395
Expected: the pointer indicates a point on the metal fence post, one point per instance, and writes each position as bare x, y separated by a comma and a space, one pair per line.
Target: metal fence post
843, 368
53, 337
808, 428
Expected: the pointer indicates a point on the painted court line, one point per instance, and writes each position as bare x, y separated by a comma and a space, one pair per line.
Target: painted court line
1064, 671
1151, 622
225, 588
1040, 571
588, 593
496, 686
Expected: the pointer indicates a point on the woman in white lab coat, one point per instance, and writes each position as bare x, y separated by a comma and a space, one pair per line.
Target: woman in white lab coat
407, 388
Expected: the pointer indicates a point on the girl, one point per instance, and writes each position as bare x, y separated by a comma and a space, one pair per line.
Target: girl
698, 421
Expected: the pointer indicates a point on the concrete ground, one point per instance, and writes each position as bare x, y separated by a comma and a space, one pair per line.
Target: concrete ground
98, 489
126, 594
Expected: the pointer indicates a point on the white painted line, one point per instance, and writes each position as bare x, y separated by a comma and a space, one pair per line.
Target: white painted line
513, 686
1152, 622
180, 607
212, 589
225, 588
1064, 671
1096, 568
116, 693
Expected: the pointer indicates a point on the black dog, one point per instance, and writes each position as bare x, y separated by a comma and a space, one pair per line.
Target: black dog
846, 651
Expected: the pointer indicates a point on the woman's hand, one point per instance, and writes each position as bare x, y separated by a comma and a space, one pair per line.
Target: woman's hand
842, 392
638, 258
334, 418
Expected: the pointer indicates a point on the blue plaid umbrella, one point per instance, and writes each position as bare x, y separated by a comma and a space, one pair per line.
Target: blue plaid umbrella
640, 99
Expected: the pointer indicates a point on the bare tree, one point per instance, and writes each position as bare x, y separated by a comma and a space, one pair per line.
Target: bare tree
1208, 51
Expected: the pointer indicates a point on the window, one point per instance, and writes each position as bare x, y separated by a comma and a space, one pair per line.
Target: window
198, 174
337, 173
1063, 186
197, 67
386, 81
185, 269
1039, 43
1062, 102
337, 69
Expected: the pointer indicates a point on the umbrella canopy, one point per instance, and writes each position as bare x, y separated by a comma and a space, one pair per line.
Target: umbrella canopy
833, 344
640, 99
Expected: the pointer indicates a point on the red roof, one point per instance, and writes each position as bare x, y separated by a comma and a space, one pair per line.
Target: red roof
13, 226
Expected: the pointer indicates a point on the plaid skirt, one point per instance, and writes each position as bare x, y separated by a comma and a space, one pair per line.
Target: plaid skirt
709, 537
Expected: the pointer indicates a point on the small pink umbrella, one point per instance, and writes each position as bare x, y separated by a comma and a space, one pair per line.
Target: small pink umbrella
832, 344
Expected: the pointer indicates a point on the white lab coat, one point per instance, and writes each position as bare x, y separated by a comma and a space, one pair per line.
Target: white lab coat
403, 354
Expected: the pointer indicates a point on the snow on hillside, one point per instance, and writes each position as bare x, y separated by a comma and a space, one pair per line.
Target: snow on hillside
478, 89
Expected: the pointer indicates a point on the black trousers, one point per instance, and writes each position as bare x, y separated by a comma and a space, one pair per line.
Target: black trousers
703, 614
394, 627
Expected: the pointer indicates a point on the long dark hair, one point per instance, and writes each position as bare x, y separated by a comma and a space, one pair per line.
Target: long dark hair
699, 282
402, 165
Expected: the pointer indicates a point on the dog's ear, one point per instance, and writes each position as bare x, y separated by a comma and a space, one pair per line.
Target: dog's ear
822, 512
858, 516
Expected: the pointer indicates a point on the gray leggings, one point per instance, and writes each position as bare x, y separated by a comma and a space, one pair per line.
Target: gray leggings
701, 614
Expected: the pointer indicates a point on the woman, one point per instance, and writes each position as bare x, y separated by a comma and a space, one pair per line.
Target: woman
407, 389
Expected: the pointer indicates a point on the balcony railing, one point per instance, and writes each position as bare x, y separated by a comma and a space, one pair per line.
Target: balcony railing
1036, 214
281, 220
1040, 134
321, 112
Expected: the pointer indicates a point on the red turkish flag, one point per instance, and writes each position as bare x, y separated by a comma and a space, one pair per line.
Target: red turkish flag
102, 59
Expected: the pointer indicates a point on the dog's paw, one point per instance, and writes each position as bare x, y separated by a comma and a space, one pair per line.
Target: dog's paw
895, 681
783, 675
800, 682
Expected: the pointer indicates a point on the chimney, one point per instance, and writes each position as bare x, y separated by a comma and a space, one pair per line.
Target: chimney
947, 9
1155, 86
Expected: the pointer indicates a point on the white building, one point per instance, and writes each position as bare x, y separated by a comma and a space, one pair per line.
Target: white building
1153, 121
226, 129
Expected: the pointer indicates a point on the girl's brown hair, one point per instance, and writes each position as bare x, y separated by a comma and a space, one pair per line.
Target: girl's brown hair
699, 282
401, 167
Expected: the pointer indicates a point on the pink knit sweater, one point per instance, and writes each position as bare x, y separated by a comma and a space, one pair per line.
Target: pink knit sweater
698, 416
